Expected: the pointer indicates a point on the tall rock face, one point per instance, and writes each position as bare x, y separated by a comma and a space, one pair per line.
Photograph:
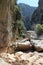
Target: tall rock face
41, 4
37, 16
3, 23
3, 34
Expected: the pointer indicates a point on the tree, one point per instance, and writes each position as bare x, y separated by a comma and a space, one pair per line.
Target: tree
17, 24
39, 29
16, 16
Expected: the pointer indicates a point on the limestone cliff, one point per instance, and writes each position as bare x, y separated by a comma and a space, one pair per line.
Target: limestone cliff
37, 16
5, 23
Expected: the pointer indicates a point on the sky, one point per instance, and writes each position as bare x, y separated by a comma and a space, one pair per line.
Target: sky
29, 2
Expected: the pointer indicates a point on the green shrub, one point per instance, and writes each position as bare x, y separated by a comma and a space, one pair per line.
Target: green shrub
39, 29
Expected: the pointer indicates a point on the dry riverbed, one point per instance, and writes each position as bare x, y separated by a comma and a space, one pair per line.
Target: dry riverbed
21, 58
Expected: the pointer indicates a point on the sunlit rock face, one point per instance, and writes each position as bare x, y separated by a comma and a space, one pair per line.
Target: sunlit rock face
3, 23
3, 9
6, 22
37, 16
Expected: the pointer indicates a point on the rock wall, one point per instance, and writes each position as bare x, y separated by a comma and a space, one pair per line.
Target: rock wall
41, 4
5, 23
3, 34
37, 16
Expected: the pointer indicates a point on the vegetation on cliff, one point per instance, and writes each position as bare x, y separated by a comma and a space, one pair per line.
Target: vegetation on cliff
39, 29
17, 24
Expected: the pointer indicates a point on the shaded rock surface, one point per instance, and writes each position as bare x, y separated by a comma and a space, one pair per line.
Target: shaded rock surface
24, 45
34, 44
33, 34
30, 45
3, 35
41, 37
37, 17
38, 44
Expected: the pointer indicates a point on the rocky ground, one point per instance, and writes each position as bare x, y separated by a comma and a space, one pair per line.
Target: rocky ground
21, 58
27, 52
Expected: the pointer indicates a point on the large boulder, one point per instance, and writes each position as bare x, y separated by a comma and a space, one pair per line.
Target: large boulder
33, 34
38, 44
22, 45
3, 33
2, 62
41, 37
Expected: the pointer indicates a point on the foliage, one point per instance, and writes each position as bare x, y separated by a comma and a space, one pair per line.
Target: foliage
21, 27
17, 21
16, 15
39, 29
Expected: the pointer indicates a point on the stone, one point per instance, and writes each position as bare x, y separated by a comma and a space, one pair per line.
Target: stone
41, 37
22, 58
10, 58
38, 62
33, 34
38, 44
28, 58
24, 45
2, 62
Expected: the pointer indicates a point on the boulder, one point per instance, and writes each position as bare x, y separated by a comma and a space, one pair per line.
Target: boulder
41, 37
38, 44
10, 58
33, 34
23, 45
2, 62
